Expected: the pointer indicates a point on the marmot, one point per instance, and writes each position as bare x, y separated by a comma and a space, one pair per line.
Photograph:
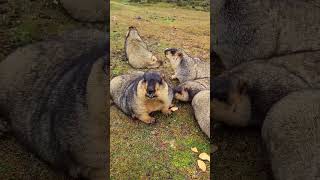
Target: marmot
269, 81
201, 108
53, 98
185, 67
187, 90
137, 51
230, 102
245, 31
138, 94
291, 133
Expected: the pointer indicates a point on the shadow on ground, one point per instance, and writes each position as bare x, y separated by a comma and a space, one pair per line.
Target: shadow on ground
241, 155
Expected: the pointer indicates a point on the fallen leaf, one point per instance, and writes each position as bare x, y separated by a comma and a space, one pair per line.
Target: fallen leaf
202, 165
194, 149
174, 108
204, 156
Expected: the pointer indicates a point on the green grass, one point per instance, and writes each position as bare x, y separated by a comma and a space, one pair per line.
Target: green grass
161, 150
203, 5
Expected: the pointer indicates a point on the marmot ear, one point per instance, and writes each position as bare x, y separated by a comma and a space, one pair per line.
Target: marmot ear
242, 86
180, 54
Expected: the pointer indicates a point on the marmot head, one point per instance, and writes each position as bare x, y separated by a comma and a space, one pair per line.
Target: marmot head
153, 85
174, 55
155, 62
183, 93
230, 101
132, 31
151, 60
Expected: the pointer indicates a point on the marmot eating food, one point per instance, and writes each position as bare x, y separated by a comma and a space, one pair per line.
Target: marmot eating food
138, 94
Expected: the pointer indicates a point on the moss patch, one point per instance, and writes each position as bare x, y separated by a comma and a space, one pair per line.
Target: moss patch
182, 159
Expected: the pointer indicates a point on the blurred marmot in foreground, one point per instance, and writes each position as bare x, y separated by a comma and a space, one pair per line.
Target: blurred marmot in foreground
230, 101
53, 96
284, 100
269, 81
291, 133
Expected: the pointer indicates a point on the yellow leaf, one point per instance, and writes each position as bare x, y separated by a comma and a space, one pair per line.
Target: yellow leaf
202, 165
204, 156
194, 149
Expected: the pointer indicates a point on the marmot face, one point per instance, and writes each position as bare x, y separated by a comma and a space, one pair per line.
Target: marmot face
154, 63
133, 32
152, 85
182, 94
231, 103
174, 55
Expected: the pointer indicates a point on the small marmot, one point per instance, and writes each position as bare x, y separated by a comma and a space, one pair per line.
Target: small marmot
187, 90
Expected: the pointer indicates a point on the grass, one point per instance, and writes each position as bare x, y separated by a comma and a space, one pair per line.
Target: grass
203, 5
162, 150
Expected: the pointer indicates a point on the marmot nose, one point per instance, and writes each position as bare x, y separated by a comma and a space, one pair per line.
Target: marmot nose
150, 92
